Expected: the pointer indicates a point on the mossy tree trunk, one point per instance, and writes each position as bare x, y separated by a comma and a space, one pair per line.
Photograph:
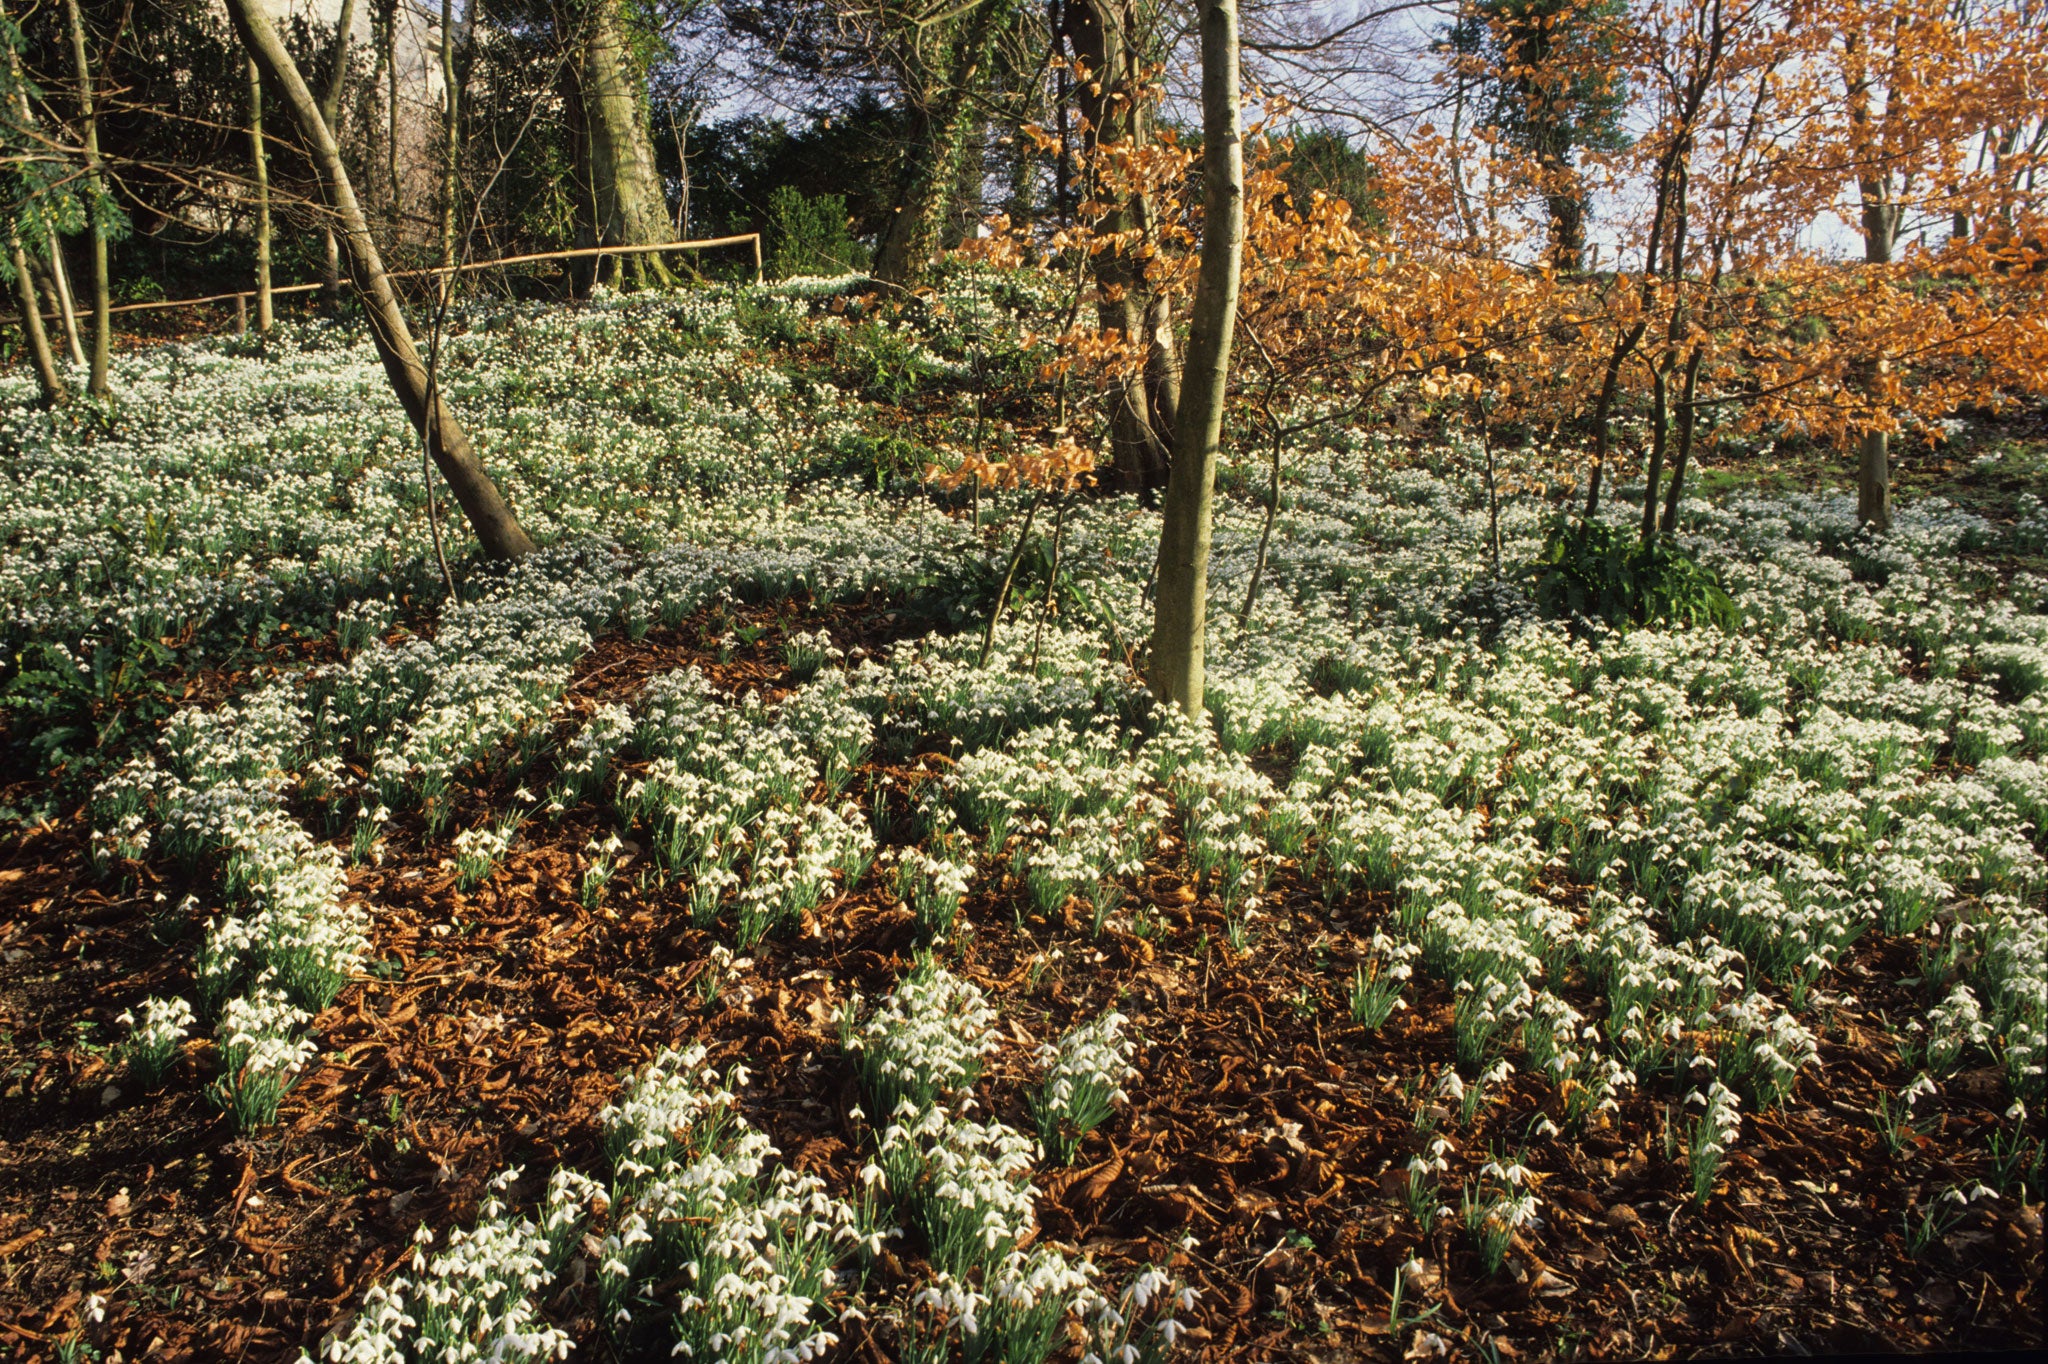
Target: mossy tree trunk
946, 127
626, 193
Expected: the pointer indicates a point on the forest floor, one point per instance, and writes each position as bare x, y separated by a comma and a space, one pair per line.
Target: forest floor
495, 1024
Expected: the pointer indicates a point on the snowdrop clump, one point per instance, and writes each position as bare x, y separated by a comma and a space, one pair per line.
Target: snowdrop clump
694, 1196
153, 1043
966, 1184
922, 1043
260, 1056
481, 1295
1084, 1079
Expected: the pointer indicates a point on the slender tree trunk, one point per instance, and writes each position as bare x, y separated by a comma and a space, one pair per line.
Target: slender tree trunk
679, 130
1251, 591
330, 113
67, 307
630, 206
54, 392
1873, 466
260, 155
381, 18
451, 133
1880, 226
1492, 491
1603, 411
102, 318
1464, 197
1688, 425
496, 527
1180, 608
389, 61
1660, 429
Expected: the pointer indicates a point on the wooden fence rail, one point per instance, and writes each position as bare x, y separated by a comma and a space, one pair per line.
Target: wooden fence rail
240, 298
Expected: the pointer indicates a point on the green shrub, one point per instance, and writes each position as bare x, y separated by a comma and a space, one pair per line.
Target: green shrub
809, 236
1603, 572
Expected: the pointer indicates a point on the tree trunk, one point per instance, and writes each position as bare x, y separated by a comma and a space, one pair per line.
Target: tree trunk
1603, 411
1660, 430
1881, 218
1140, 432
451, 132
38, 339
67, 309
496, 527
387, 62
1688, 426
629, 203
260, 155
102, 318
330, 114
1180, 608
1567, 208
932, 177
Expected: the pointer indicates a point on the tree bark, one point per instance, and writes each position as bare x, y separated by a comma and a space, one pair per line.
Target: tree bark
1142, 405
387, 64
1880, 223
932, 177
496, 527
451, 132
1688, 426
102, 317
1660, 430
54, 392
629, 203
1180, 607
260, 155
67, 309
330, 114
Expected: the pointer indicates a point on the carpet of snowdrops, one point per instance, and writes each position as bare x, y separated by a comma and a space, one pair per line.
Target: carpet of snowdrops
1627, 873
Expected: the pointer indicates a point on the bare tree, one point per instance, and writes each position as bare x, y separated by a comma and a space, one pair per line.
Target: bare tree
448, 444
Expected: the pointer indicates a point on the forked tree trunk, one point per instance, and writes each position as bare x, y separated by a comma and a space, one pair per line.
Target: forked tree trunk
1688, 427
1180, 607
260, 155
102, 318
51, 381
630, 206
496, 527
